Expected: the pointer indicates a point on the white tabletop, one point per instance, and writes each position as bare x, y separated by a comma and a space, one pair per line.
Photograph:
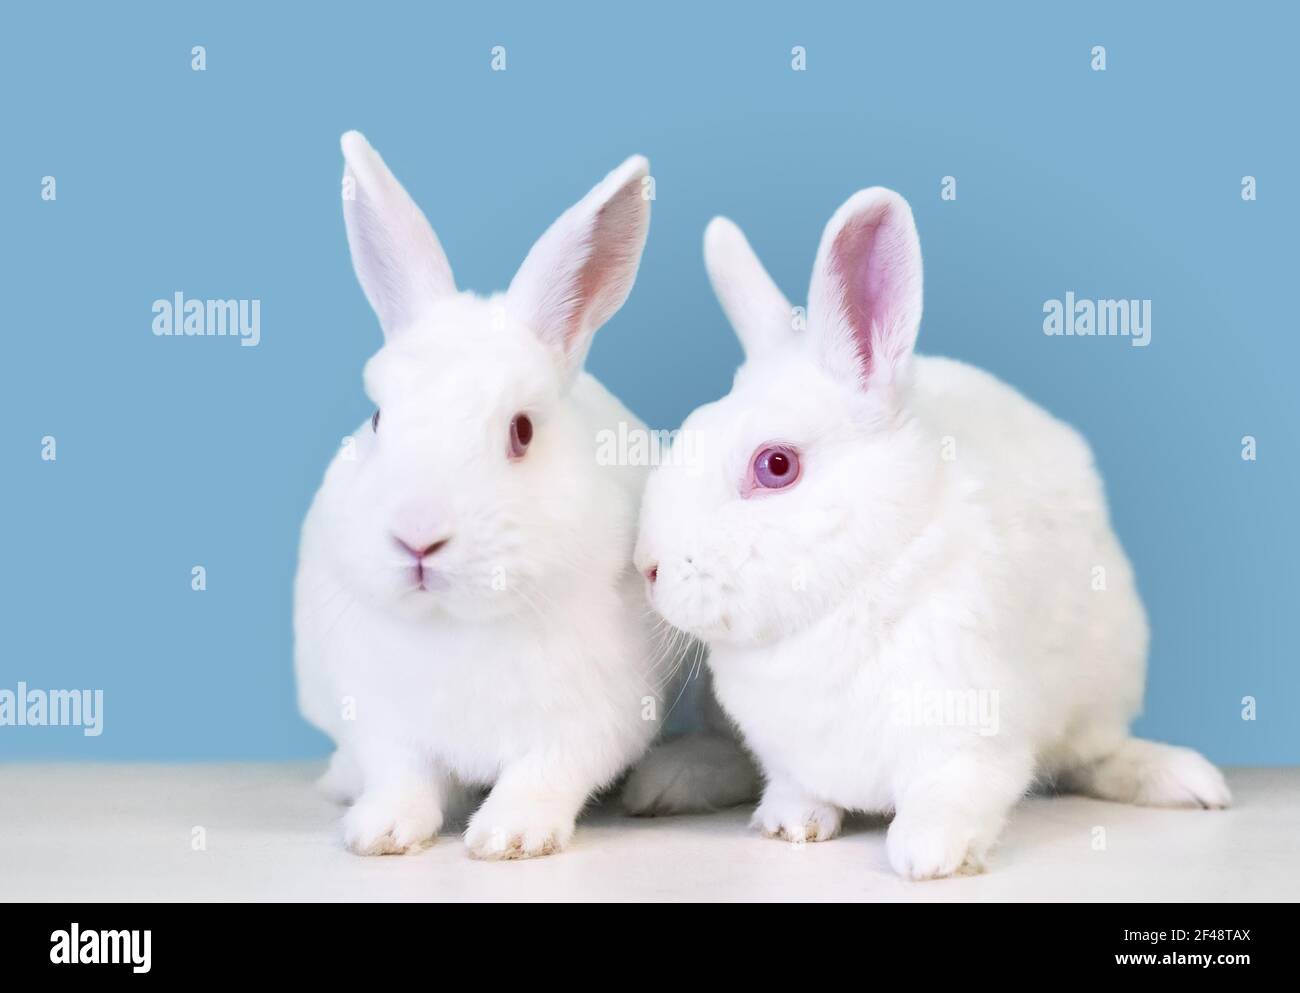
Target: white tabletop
127, 832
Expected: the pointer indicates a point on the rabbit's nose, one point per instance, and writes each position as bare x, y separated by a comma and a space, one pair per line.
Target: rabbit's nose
418, 553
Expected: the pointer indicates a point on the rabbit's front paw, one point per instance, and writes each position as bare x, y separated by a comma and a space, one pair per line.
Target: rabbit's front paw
931, 849
517, 829
795, 819
380, 824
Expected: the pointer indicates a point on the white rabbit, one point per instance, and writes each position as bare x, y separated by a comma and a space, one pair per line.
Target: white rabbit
466, 611
904, 570
704, 769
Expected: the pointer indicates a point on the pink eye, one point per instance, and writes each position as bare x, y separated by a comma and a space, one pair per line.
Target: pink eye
775, 467
521, 433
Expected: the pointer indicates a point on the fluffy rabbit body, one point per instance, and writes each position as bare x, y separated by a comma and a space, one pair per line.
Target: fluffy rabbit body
466, 612
880, 548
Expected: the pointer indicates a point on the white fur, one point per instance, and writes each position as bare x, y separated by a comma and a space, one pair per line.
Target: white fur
889, 573
530, 666
696, 772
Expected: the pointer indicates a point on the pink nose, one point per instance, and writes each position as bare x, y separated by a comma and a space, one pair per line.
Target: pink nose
419, 554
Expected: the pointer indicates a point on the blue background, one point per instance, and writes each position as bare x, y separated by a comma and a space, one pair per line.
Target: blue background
224, 183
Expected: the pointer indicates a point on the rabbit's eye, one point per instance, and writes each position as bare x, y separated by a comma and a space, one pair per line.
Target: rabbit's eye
374, 422
521, 433
776, 467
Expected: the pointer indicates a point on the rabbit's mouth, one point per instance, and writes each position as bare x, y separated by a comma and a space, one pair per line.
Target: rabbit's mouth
429, 580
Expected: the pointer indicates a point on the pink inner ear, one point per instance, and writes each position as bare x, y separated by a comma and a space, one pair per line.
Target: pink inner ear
869, 262
605, 277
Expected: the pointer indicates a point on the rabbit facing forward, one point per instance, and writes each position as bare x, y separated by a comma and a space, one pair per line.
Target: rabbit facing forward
465, 609
905, 572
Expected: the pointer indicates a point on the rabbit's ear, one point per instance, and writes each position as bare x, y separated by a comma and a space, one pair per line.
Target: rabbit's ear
759, 312
864, 304
396, 255
581, 270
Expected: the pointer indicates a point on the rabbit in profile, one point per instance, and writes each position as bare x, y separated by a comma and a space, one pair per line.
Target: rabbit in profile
466, 613
883, 551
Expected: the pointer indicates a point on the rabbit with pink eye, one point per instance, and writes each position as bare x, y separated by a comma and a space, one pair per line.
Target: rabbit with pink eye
905, 571
466, 610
